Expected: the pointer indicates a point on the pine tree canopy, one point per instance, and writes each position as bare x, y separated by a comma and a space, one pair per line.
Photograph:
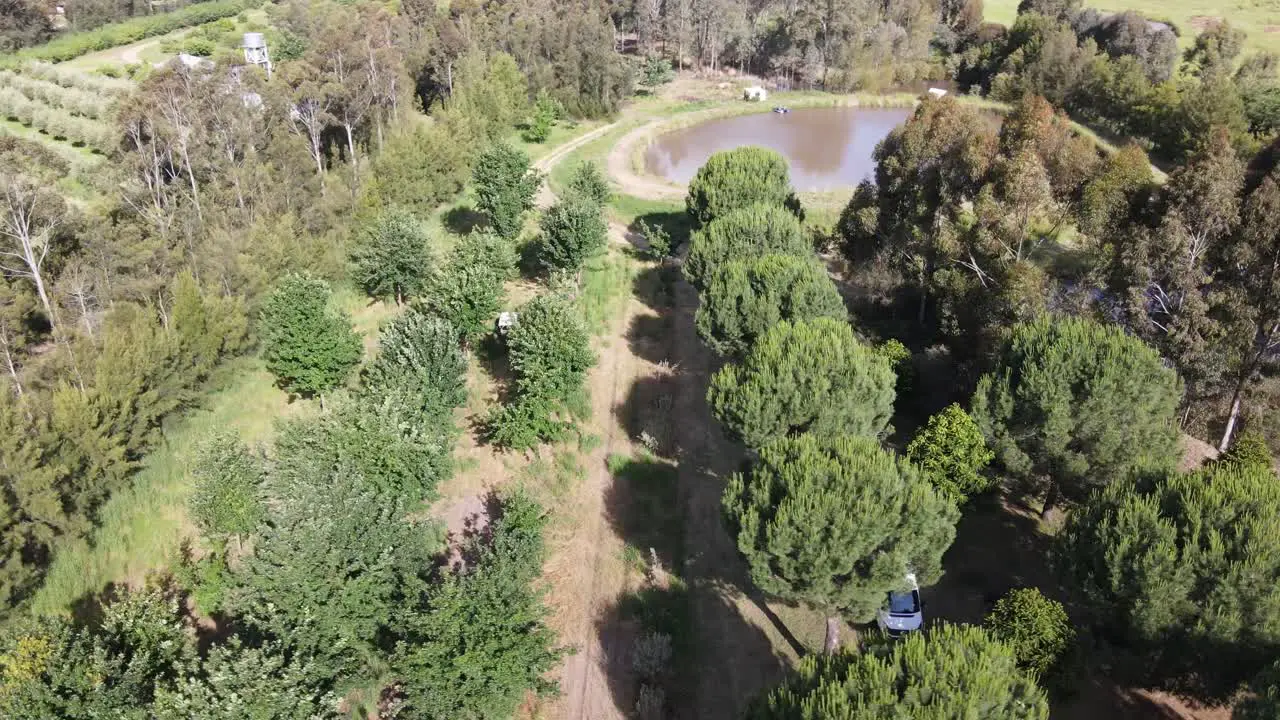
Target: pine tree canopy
745, 297
812, 376
734, 179
945, 673
1188, 567
1081, 403
747, 232
836, 522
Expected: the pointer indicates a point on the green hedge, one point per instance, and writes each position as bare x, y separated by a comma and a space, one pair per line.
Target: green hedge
66, 47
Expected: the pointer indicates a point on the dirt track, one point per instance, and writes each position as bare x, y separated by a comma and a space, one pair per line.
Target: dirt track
629, 181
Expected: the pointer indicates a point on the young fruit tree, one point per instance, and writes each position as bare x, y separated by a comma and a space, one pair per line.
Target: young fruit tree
735, 179
1187, 568
1077, 404
469, 291
812, 376
836, 522
573, 231
505, 185
950, 671
748, 232
391, 258
227, 499
952, 453
589, 181
1036, 628
309, 346
746, 297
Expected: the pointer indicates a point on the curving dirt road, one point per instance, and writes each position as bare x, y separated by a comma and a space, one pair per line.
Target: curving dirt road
633, 183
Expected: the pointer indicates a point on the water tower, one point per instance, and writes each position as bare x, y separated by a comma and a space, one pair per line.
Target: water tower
255, 51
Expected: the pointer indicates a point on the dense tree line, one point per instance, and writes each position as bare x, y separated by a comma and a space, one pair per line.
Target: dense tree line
968, 212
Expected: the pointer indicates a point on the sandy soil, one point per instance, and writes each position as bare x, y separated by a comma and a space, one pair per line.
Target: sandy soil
631, 182
587, 573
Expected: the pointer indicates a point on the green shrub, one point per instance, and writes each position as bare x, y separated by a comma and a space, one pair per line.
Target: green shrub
952, 453
1035, 627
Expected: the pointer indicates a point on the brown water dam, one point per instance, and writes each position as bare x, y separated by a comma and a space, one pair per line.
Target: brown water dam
828, 148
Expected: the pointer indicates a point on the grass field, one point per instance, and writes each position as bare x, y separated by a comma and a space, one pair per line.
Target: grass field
142, 528
1259, 18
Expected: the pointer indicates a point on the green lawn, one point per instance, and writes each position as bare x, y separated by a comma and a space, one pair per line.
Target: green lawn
1252, 16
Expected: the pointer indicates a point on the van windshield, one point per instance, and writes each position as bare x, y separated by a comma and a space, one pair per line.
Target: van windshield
907, 603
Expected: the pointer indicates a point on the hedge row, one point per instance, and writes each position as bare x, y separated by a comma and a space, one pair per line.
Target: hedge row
94, 105
74, 45
58, 124
75, 79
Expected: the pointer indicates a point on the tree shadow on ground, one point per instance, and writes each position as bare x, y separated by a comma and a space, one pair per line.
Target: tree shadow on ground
642, 505
462, 219
667, 608
998, 547
677, 225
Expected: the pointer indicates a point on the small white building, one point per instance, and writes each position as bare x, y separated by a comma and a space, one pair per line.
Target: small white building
936, 93
755, 94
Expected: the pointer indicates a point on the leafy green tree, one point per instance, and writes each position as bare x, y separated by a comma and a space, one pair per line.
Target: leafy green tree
488, 614
735, 179
1249, 448
589, 181
925, 170
746, 297
236, 682
506, 184
490, 251
1036, 628
307, 344
1078, 404
331, 570
1187, 567
836, 522
951, 452
227, 498
418, 356
546, 111
950, 671
399, 451
1264, 703
420, 167
550, 352
812, 376
550, 349
391, 259
655, 72
50, 668
573, 230
751, 231
469, 291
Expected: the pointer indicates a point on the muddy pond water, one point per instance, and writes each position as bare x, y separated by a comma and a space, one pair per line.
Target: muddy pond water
828, 148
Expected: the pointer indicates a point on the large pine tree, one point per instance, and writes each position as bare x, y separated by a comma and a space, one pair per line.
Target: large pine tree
947, 672
1077, 404
810, 376
836, 522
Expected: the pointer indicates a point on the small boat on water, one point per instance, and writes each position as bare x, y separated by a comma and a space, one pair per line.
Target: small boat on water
782, 110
